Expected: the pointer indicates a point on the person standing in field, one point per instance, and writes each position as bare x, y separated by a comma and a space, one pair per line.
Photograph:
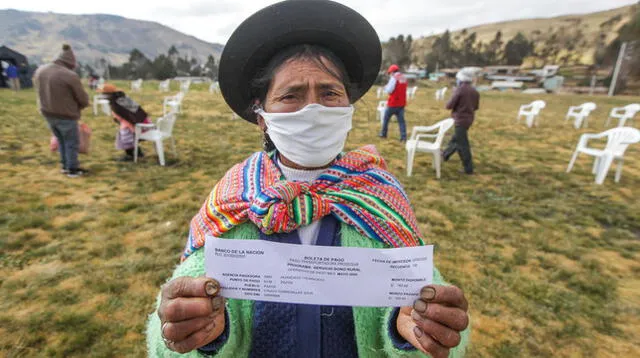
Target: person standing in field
397, 90
61, 98
12, 75
463, 104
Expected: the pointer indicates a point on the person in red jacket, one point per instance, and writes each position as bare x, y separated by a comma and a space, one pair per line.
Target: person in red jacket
397, 90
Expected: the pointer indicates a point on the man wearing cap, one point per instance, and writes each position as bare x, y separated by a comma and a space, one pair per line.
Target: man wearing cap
463, 104
61, 97
397, 90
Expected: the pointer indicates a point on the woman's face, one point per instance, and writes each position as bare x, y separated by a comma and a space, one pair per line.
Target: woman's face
301, 82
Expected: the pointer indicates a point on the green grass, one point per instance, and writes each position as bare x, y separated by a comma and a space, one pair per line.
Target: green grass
549, 261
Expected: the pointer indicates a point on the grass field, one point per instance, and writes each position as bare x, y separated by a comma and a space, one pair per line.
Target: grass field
550, 262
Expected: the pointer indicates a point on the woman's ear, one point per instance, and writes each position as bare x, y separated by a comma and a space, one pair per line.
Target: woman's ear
261, 123
260, 120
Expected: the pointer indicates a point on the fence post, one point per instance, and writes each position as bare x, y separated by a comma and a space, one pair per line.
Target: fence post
616, 72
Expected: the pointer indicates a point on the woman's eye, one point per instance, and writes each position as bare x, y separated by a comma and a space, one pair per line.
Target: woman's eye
287, 97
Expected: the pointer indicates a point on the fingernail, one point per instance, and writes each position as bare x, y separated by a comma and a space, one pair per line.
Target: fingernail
416, 316
210, 326
420, 306
417, 331
211, 288
217, 303
428, 293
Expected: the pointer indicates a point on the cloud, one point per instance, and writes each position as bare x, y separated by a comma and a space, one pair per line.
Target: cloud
202, 9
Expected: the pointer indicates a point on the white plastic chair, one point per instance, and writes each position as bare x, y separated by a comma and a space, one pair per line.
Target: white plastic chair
164, 85
157, 133
214, 87
411, 92
173, 104
102, 101
184, 86
618, 139
531, 112
416, 144
440, 94
580, 113
136, 86
623, 114
382, 107
379, 92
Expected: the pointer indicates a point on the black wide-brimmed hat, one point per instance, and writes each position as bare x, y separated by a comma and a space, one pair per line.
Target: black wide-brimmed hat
325, 23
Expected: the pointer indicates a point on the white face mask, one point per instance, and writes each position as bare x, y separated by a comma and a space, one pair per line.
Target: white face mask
311, 137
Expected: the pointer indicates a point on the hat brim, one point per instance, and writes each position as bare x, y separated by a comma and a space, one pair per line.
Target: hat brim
336, 27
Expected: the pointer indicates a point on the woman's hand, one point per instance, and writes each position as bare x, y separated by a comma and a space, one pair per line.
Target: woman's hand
191, 313
434, 323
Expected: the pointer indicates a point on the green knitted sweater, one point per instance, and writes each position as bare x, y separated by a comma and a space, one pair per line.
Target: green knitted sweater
371, 323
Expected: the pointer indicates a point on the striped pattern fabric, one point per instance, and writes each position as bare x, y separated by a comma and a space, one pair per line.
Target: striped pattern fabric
357, 189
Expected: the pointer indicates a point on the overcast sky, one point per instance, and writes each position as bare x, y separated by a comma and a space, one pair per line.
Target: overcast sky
215, 20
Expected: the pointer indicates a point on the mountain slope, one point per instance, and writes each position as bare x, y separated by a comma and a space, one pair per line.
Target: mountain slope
589, 23
39, 36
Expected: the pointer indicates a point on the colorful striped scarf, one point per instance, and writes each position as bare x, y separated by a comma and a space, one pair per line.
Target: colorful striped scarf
357, 189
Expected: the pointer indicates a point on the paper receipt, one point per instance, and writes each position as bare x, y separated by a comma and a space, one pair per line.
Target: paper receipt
322, 275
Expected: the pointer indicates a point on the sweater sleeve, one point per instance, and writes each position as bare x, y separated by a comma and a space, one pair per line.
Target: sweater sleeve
81, 96
396, 346
391, 85
373, 325
238, 314
453, 102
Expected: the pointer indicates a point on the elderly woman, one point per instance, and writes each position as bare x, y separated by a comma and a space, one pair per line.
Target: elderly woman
126, 113
294, 69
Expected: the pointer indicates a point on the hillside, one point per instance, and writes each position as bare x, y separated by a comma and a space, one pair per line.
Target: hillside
589, 24
39, 36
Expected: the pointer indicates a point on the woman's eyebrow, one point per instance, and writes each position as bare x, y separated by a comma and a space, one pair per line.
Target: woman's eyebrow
299, 87
293, 88
330, 85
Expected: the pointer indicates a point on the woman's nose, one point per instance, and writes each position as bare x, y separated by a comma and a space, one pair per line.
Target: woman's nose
313, 97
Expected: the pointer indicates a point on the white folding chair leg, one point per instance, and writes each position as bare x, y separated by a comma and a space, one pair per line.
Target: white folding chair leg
136, 143
603, 168
160, 151
410, 155
436, 163
606, 124
95, 108
572, 161
622, 122
596, 165
619, 170
530, 120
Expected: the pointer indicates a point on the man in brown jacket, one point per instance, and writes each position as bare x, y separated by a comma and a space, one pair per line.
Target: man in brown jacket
61, 97
463, 104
